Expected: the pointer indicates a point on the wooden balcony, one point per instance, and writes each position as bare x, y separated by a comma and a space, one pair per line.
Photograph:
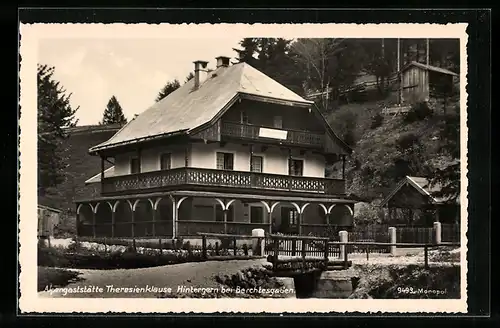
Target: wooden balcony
208, 178
284, 136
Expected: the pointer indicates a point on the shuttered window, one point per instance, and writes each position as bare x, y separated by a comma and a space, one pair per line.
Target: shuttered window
225, 161
296, 167
257, 164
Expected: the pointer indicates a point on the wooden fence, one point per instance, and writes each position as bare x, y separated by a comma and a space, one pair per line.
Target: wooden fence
300, 246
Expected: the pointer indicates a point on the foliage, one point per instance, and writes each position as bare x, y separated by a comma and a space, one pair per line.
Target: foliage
418, 112
53, 278
113, 114
377, 121
170, 87
189, 77
55, 115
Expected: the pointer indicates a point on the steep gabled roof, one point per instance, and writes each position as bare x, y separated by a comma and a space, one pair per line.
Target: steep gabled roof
429, 68
422, 185
186, 109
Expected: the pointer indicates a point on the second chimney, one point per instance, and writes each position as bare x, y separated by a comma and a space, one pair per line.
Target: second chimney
200, 72
222, 61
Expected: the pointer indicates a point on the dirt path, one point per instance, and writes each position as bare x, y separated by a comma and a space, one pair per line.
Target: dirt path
196, 275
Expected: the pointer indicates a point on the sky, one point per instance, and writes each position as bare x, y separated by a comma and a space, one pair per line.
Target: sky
134, 70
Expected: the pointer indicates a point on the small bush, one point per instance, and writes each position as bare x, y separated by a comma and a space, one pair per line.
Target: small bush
50, 277
377, 121
418, 112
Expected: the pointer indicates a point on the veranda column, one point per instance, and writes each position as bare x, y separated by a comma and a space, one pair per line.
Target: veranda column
174, 217
133, 222
113, 222
224, 212
300, 222
153, 229
93, 223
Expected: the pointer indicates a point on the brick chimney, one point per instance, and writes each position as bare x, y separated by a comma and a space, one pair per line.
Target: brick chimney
222, 61
200, 72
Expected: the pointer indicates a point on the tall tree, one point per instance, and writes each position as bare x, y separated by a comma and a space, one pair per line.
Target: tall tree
246, 54
189, 77
55, 115
170, 87
330, 65
113, 114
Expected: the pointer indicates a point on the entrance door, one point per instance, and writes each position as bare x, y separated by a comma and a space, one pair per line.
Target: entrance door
289, 220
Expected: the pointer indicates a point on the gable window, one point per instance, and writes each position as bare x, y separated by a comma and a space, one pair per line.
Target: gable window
225, 161
296, 167
243, 117
165, 161
257, 164
135, 165
278, 122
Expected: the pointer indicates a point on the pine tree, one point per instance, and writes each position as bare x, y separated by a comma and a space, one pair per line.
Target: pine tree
170, 87
55, 115
113, 114
249, 49
189, 77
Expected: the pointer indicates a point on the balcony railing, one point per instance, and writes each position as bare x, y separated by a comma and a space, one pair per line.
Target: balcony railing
169, 179
293, 137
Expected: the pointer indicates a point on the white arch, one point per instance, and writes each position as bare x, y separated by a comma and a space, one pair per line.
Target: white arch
152, 204
350, 209
157, 202
135, 204
331, 208
229, 203
131, 205
80, 206
267, 206
273, 206
110, 205
180, 201
324, 208
296, 206
221, 203
303, 207
115, 206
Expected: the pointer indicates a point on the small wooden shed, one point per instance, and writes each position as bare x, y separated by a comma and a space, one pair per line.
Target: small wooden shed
420, 82
416, 196
48, 218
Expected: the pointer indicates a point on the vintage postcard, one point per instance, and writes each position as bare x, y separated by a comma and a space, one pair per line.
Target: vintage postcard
243, 168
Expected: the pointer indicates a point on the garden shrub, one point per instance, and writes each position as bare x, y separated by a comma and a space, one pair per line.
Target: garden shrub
51, 277
377, 121
418, 112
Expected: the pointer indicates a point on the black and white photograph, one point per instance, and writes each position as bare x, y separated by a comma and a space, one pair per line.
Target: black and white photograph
311, 169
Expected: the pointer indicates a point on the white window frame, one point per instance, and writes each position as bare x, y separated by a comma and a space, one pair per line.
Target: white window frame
226, 152
261, 164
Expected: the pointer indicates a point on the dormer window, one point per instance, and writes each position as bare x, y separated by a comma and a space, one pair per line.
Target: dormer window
278, 122
135, 165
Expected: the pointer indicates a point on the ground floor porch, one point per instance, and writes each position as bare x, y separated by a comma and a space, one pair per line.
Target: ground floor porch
186, 213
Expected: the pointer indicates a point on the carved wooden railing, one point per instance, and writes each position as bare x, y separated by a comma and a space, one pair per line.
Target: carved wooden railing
294, 137
221, 178
192, 227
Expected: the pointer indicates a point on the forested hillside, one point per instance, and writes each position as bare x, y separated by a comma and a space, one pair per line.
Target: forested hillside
423, 142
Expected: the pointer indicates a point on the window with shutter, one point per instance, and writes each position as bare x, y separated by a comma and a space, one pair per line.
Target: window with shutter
225, 161
257, 164
296, 167
165, 162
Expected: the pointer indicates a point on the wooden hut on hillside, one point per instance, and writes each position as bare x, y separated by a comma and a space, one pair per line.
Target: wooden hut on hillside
414, 198
420, 82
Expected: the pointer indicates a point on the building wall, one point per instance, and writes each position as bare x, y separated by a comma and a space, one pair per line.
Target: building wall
275, 160
47, 220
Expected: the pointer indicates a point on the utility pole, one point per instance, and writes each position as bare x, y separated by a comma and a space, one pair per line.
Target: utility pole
427, 53
399, 73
